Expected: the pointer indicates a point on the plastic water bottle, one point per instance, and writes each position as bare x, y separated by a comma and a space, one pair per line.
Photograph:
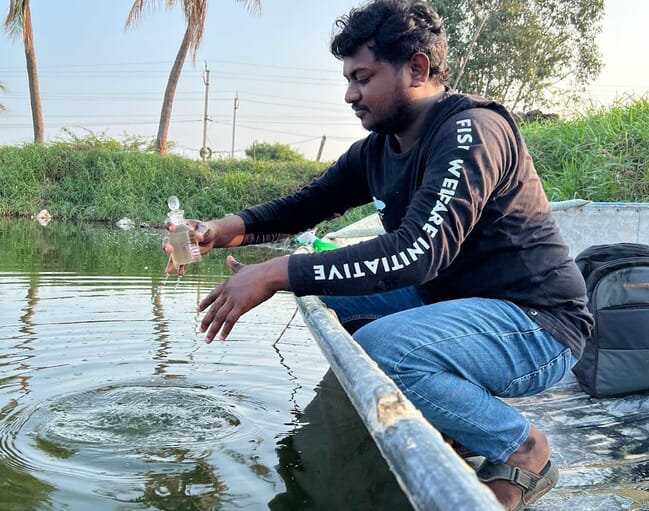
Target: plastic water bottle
183, 240
317, 244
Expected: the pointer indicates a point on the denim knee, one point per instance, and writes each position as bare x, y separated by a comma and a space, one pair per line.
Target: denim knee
368, 338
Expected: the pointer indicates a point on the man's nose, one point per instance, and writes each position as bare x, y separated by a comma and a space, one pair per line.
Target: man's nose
352, 94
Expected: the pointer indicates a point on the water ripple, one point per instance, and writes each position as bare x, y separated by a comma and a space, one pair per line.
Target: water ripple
144, 422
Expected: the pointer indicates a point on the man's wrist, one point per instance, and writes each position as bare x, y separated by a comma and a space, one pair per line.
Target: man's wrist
277, 273
229, 231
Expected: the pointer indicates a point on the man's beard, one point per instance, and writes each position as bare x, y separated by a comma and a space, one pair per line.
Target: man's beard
401, 117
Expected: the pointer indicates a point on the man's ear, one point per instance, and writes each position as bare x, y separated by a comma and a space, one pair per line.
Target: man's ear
419, 69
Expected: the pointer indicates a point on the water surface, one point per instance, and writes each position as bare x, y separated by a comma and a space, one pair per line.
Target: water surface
110, 400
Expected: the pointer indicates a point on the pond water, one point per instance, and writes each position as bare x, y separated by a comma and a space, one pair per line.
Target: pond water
110, 399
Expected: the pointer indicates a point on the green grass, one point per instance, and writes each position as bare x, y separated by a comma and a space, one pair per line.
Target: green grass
600, 155
99, 184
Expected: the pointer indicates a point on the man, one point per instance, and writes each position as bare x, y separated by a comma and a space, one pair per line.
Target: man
470, 295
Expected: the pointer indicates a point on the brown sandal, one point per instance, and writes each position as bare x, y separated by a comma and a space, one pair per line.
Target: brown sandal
534, 486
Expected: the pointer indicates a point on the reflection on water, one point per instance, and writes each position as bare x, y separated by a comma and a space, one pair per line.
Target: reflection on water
109, 399
331, 463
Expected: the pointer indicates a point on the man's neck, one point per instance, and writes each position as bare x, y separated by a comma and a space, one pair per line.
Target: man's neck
409, 137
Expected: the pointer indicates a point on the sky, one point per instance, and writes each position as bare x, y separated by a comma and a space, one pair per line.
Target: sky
96, 78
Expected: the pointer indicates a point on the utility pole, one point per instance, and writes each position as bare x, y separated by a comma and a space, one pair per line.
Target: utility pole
234, 121
206, 81
322, 143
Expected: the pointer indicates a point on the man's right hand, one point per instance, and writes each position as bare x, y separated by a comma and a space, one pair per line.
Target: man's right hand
199, 232
223, 232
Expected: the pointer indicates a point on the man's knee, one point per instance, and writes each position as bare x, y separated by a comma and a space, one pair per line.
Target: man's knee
371, 338
363, 335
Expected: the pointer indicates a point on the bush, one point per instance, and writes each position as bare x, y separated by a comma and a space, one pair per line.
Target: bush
272, 152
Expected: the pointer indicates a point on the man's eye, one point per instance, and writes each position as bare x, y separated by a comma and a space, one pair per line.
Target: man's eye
359, 79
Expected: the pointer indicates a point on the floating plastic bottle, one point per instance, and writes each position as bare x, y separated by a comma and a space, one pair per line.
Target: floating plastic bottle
183, 240
317, 244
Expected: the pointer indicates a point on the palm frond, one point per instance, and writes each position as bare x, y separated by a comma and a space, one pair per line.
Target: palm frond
195, 13
253, 6
14, 21
136, 13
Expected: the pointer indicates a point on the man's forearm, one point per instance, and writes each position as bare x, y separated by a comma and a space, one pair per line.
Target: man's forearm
228, 231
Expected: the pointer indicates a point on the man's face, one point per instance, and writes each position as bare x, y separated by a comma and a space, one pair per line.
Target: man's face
377, 92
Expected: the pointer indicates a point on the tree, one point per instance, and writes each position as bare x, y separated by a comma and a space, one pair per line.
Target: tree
272, 152
19, 21
195, 12
514, 51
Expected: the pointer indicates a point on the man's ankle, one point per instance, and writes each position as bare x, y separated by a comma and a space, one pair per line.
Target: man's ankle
533, 454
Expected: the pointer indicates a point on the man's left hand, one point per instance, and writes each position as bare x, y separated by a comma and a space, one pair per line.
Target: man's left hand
248, 287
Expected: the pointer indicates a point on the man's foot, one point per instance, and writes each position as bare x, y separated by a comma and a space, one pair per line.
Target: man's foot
533, 486
533, 457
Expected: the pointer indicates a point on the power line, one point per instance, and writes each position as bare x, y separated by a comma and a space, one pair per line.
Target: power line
166, 63
342, 110
94, 124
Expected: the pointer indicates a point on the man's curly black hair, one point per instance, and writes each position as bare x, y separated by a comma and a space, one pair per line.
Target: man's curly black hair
396, 30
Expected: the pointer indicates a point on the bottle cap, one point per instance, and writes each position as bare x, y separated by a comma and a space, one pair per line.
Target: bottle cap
173, 202
175, 215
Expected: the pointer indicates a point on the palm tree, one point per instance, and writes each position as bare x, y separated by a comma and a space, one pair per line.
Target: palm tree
19, 21
195, 12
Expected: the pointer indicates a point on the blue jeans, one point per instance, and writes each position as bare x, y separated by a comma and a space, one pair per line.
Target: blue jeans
455, 359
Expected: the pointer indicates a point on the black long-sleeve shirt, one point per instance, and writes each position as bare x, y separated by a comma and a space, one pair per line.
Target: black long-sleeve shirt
465, 216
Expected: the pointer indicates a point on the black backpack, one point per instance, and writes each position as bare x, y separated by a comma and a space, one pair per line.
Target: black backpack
616, 356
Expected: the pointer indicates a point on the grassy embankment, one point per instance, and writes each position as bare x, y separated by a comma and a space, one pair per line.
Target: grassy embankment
601, 155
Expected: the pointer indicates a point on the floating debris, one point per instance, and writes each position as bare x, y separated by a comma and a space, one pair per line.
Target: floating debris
43, 217
125, 223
